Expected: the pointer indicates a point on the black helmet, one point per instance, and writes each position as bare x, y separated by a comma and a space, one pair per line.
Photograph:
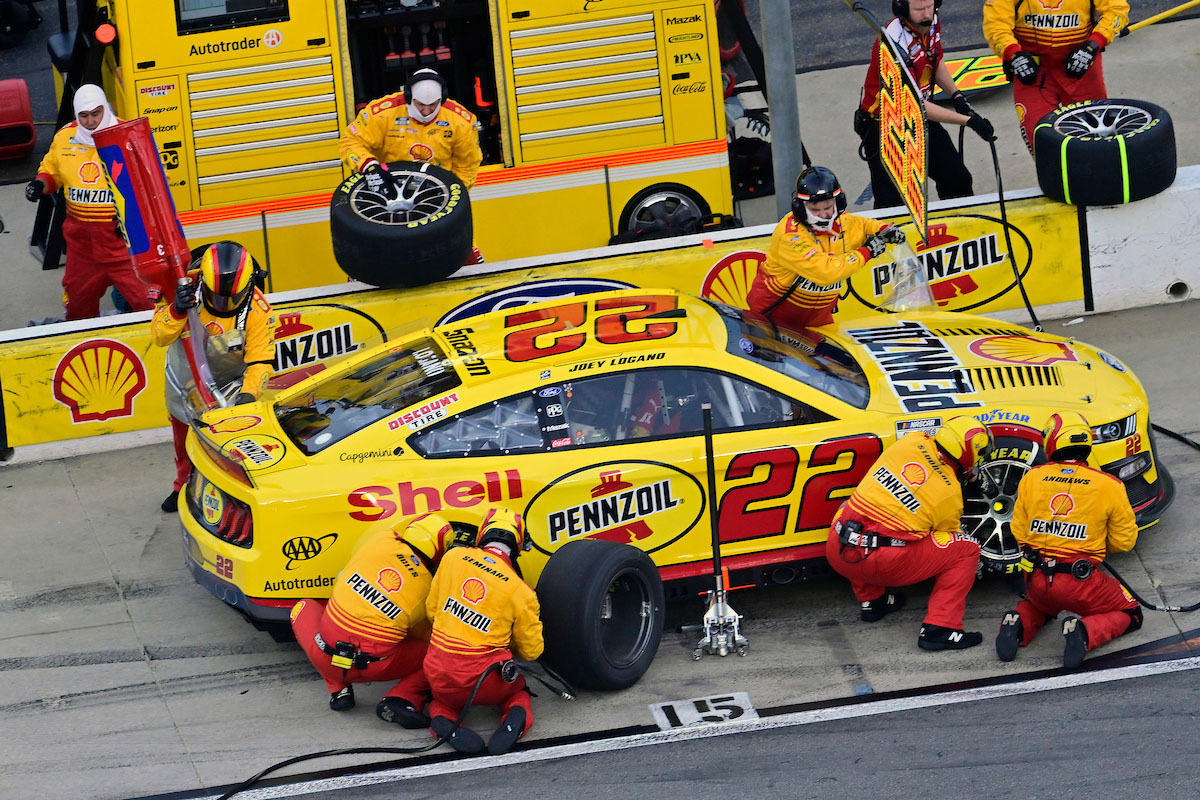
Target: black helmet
813, 185
227, 272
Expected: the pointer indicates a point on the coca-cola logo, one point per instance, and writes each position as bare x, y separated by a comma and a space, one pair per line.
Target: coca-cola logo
696, 87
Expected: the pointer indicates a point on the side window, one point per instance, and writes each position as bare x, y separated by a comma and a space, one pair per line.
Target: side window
503, 427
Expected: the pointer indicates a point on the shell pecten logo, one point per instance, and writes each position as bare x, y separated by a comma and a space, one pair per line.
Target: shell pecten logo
1021, 349
473, 590
390, 579
98, 380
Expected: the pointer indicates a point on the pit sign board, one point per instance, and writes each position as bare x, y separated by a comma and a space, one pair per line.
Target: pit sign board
902, 146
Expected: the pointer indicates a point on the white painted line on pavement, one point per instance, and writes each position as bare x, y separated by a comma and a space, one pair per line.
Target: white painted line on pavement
726, 728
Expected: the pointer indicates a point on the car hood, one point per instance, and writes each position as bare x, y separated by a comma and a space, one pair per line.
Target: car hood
947, 363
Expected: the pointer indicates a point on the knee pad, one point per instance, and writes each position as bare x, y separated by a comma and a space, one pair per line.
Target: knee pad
1135, 619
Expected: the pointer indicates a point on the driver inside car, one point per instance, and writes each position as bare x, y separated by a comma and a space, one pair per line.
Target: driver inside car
665, 402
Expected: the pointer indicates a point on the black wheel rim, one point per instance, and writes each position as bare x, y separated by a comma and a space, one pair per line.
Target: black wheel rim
626, 620
988, 507
420, 196
1103, 119
665, 210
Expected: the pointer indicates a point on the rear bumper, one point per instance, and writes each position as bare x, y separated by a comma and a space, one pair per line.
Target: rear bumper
227, 592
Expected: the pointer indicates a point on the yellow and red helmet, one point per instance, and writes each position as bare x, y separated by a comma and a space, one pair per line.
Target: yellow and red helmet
226, 277
1067, 429
506, 527
430, 535
966, 440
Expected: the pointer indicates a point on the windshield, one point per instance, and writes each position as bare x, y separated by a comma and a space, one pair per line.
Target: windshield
413, 375
819, 362
908, 289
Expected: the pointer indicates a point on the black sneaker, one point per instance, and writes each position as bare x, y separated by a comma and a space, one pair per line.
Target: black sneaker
343, 700
1076, 646
880, 607
401, 712
464, 740
512, 727
935, 637
1009, 638
171, 504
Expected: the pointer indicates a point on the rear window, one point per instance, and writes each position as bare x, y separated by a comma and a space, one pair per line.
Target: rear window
347, 402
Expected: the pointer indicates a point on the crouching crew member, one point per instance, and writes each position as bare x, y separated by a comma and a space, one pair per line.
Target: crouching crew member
1068, 517
374, 626
901, 526
483, 614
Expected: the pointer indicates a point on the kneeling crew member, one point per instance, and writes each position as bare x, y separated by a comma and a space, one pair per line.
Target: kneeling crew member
374, 626
812, 250
483, 613
901, 526
1068, 517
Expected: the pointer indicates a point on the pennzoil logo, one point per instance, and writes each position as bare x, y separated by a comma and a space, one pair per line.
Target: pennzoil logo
98, 380
256, 452
298, 344
303, 548
644, 503
949, 263
1021, 349
212, 504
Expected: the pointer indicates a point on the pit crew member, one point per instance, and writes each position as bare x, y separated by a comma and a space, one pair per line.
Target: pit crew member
374, 626
901, 526
1051, 51
1068, 517
917, 32
483, 614
812, 250
96, 254
234, 313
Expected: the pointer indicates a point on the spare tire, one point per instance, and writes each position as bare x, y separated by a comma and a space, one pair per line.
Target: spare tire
602, 613
422, 236
1105, 152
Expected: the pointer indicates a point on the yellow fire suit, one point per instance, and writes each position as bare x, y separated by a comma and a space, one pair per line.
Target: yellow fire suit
911, 496
483, 613
1070, 512
383, 131
819, 261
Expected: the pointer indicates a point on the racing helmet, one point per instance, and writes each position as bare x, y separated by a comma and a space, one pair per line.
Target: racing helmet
1067, 436
505, 527
967, 442
430, 535
226, 277
813, 185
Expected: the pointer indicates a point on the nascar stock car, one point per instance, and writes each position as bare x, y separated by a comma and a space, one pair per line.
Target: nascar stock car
584, 414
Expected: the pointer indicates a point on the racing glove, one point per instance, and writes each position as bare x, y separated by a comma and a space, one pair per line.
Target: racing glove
892, 235
1080, 59
381, 181
243, 398
35, 190
874, 245
982, 127
961, 105
1023, 66
1023, 564
185, 298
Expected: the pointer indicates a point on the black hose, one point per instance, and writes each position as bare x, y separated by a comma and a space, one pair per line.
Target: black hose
1142, 601
249, 782
1037, 326
1177, 436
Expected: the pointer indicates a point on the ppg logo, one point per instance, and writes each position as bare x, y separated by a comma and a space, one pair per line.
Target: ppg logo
554, 410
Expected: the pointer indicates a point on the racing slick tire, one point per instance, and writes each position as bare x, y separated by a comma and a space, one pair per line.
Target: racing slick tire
1105, 152
988, 503
421, 237
602, 613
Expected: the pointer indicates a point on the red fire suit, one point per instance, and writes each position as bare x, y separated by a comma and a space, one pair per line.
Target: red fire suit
256, 320
1069, 511
483, 613
910, 493
946, 167
377, 605
383, 131
815, 263
96, 255
1050, 30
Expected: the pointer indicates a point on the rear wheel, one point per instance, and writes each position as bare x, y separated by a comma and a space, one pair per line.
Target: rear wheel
602, 613
988, 503
665, 209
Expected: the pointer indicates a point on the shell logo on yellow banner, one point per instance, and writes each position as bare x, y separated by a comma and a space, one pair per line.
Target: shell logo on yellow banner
98, 379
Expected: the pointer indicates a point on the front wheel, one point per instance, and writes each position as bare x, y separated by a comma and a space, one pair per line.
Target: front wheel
602, 613
988, 503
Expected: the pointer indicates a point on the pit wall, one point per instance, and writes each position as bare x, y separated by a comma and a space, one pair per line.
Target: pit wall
102, 377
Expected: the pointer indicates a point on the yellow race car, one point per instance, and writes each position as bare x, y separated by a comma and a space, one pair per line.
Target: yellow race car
587, 415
